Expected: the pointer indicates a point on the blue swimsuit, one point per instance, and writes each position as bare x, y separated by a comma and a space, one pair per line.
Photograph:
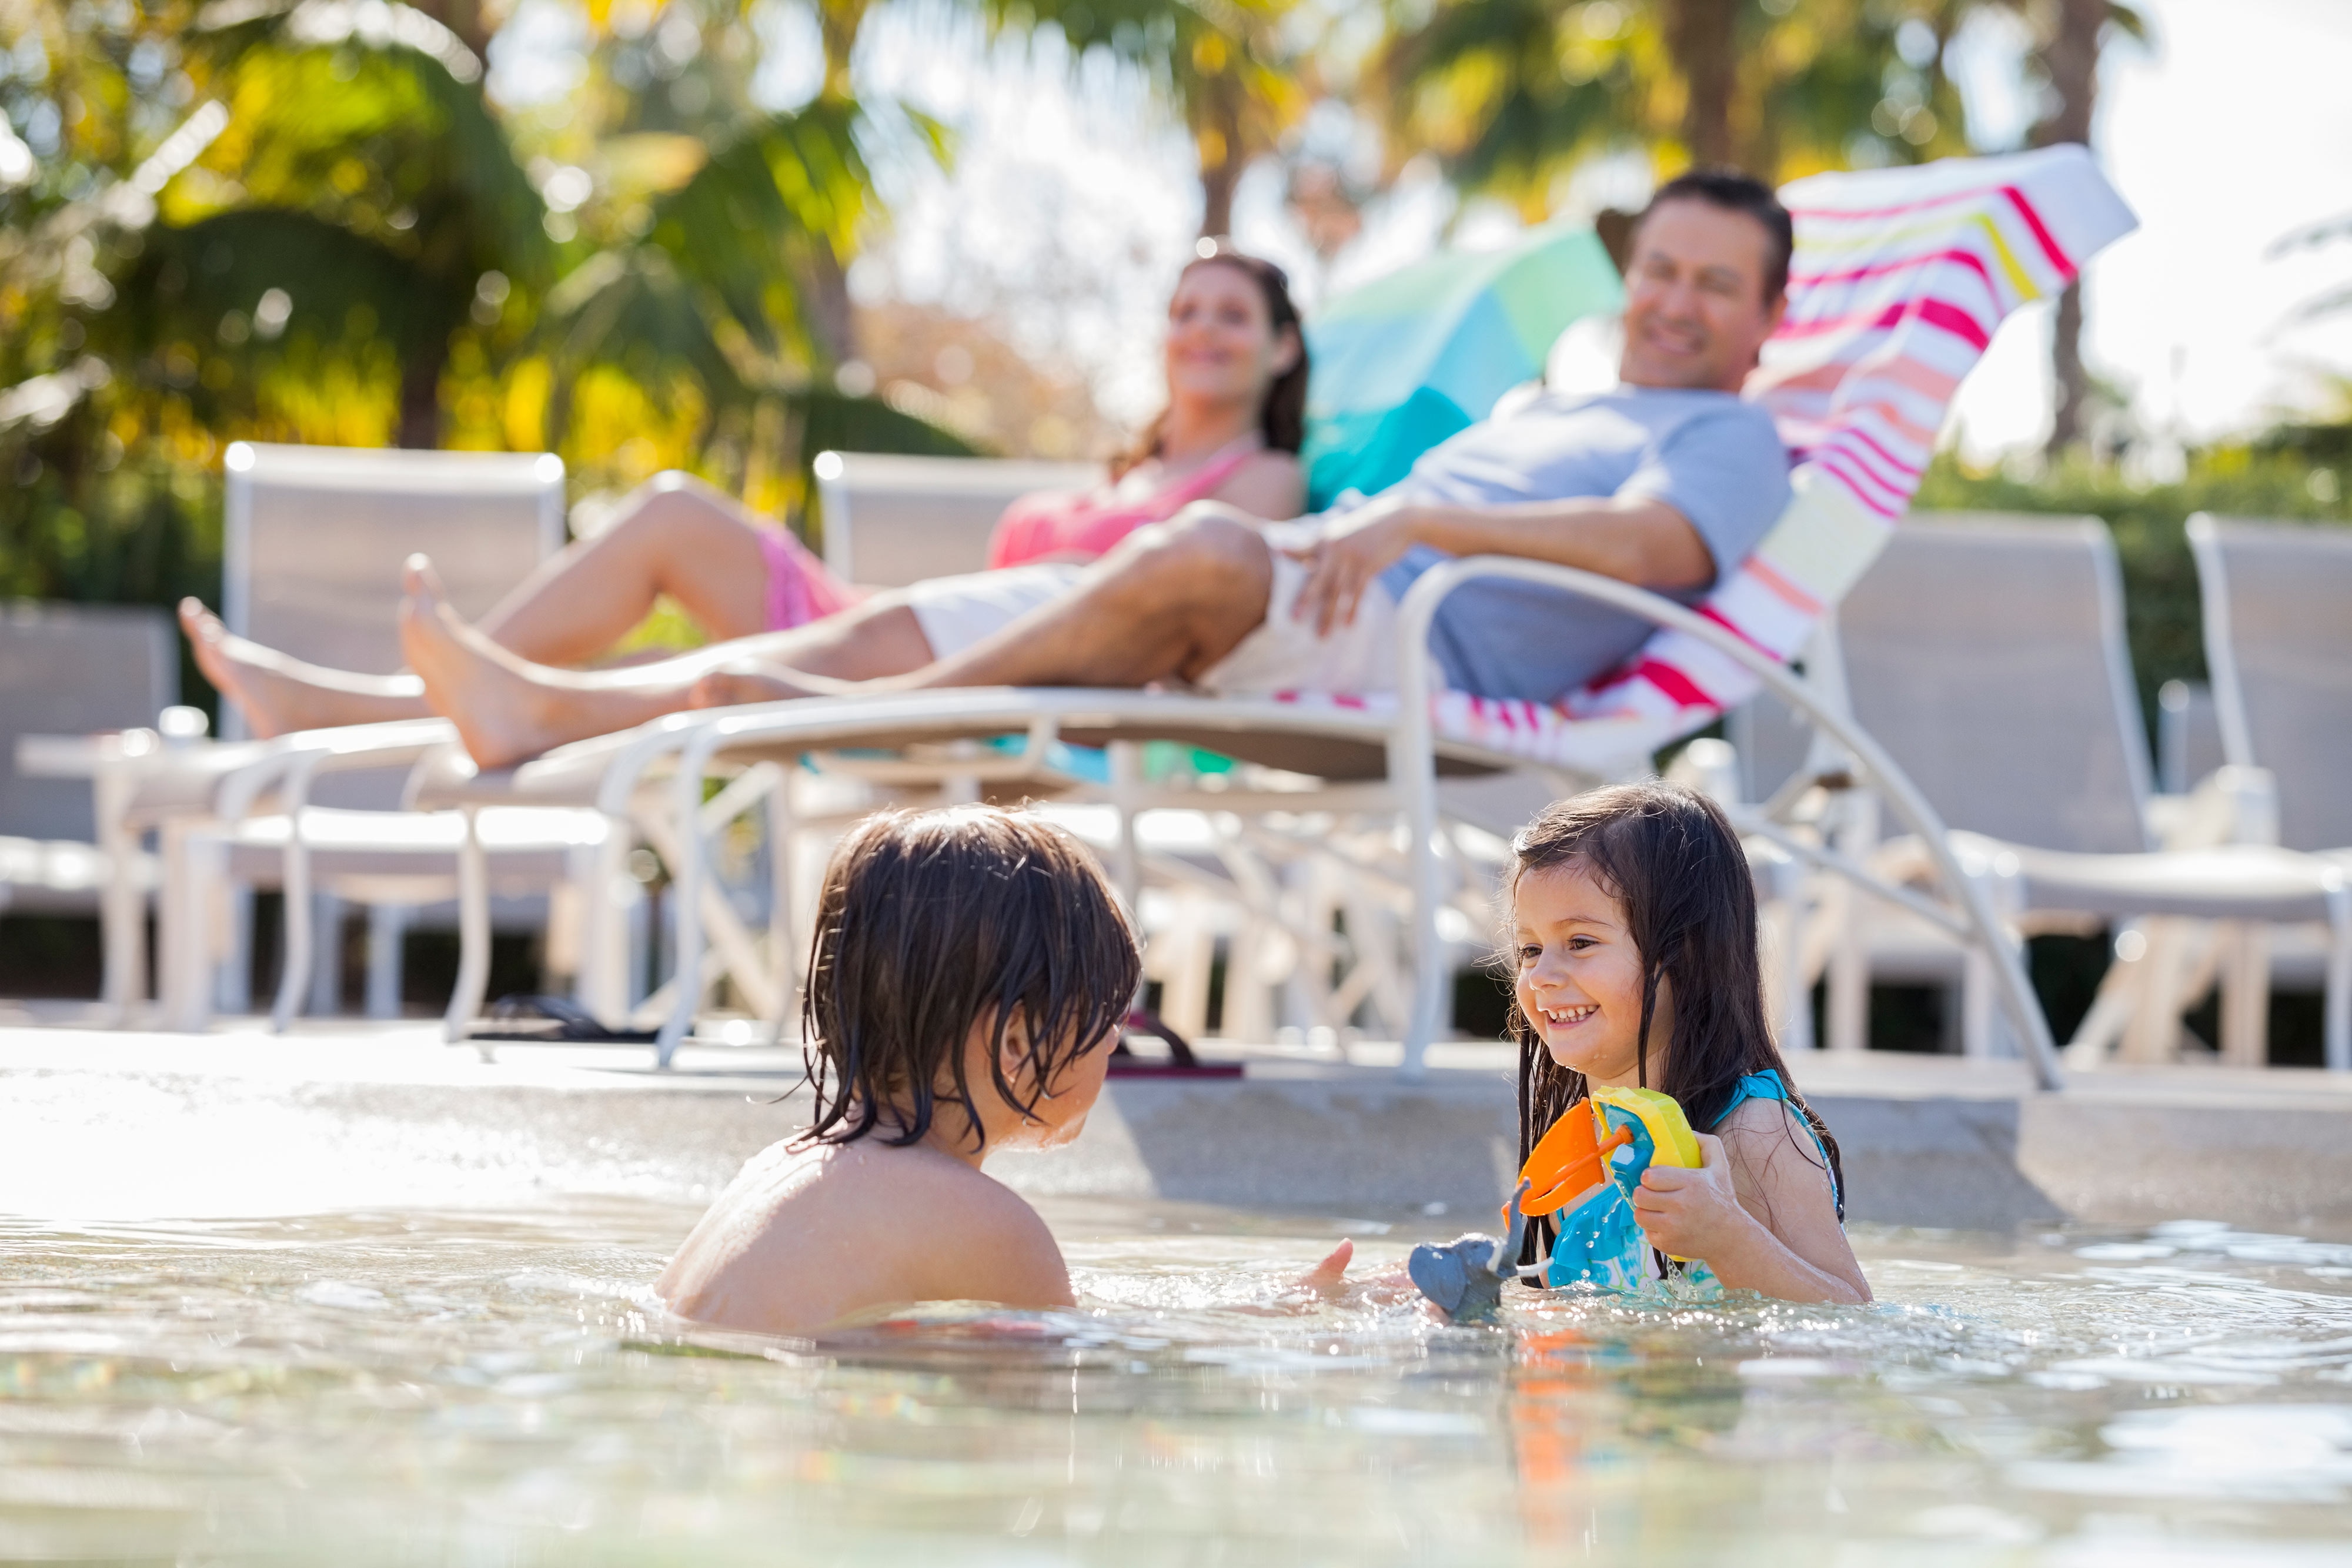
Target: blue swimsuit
1600, 1243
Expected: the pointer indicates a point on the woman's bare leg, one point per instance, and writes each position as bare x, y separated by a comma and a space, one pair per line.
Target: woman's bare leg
676, 536
508, 709
1172, 600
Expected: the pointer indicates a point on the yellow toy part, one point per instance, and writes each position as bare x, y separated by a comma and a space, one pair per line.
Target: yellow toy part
1672, 1140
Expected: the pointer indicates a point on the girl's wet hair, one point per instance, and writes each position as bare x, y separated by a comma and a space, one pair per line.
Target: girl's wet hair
931, 922
1671, 860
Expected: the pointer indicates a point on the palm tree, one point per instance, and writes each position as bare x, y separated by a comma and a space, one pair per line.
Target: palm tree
371, 186
2072, 35
1510, 93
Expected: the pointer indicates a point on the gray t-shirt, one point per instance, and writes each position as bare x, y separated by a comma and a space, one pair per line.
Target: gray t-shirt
1712, 457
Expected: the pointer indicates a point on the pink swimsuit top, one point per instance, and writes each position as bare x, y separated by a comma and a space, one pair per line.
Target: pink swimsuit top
1034, 527
1083, 527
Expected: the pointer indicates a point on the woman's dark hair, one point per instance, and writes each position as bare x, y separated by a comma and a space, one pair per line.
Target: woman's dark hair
933, 921
1670, 858
1281, 420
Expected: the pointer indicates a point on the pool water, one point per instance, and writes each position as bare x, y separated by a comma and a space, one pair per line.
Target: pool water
495, 1388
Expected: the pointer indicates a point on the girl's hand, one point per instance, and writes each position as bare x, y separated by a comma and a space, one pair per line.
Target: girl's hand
1692, 1213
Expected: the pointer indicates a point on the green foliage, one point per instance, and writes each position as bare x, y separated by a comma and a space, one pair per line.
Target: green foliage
1511, 93
2300, 473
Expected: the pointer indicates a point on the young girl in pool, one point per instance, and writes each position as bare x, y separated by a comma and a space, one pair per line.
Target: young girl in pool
970, 974
1634, 951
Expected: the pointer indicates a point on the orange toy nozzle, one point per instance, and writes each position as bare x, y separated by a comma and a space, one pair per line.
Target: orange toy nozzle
1567, 1161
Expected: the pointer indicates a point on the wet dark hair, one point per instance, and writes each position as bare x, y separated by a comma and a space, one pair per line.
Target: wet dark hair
1673, 861
933, 921
1281, 418
1735, 191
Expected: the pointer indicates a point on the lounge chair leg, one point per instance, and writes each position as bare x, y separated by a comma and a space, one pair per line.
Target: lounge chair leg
326, 998
1848, 1009
2111, 1008
2245, 994
473, 938
388, 924
123, 913
2336, 1034
2154, 1033
783, 946
229, 936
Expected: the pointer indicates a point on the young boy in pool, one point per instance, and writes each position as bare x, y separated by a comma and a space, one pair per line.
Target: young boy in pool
970, 974
1633, 922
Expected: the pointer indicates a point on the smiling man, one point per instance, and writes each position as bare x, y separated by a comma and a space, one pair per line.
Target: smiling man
1665, 480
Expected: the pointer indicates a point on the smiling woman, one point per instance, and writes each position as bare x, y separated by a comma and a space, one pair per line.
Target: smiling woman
1236, 414
1236, 373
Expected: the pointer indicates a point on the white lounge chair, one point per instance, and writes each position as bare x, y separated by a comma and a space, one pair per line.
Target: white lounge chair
314, 541
2278, 642
75, 669
891, 520
1987, 655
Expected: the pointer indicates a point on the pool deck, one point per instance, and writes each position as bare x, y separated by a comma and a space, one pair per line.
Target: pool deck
337, 1115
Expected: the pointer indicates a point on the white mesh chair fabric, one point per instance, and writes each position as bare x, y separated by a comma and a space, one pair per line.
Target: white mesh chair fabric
75, 669
890, 520
316, 538
1986, 655
2278, 641
2188, 735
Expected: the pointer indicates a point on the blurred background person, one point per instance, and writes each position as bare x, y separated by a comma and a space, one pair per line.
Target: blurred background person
1236, 371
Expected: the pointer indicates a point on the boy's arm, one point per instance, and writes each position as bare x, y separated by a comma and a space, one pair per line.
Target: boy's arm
1760, 1212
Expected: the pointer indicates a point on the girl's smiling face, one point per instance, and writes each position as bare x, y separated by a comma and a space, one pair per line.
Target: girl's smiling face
1578, 975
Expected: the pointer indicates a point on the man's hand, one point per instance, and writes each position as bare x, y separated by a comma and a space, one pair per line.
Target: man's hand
1692, 1213
1356, 548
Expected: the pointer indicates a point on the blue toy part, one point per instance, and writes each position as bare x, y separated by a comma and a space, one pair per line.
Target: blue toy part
1601, 1242
1626, 1163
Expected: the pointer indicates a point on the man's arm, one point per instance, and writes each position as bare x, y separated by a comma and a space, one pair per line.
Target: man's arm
1636, 539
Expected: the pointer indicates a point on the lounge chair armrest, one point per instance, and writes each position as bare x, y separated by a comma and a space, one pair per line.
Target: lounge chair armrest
2234, 805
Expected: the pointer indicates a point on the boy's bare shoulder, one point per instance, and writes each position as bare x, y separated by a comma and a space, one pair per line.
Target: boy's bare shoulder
1002, 1250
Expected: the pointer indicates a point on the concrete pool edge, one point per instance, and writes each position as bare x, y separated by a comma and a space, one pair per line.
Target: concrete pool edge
396, 1116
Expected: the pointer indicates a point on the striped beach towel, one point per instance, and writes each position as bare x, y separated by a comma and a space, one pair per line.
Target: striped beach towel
1899, 278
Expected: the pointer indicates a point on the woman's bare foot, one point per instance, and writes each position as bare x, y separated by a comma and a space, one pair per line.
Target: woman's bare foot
502, 713
746, 683
277, 694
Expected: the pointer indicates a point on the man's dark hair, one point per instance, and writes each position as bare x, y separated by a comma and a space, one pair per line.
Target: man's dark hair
1737, 193
930, 921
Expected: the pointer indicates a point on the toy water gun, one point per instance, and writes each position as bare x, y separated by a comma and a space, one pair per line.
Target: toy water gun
1581, 1150
1589, 1164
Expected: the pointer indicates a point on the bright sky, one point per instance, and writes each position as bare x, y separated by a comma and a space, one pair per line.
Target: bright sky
2234, 129
1072, 202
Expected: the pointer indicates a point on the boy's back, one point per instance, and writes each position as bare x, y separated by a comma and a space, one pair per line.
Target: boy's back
971, 971
808, 1236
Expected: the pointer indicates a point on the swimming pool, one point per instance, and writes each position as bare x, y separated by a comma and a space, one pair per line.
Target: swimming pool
488, 1386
